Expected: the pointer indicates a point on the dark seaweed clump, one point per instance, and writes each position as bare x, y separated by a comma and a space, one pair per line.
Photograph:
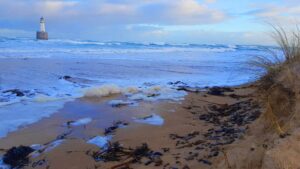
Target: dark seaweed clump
116, 152
17, 157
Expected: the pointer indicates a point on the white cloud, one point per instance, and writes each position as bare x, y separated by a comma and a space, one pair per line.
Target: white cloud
210, 1
192, 12
111, 9
284, 14
177, 12
55, 8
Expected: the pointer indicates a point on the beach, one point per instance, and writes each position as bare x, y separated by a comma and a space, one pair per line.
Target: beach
185, 138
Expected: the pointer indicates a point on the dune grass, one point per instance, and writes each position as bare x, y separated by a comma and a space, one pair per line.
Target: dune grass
277, 85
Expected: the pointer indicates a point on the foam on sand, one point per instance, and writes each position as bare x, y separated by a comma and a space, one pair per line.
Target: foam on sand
101, 91
54, 144
153, 119
44, 98
39, 148
100, 141
155, 93
119, 103
81, 122
21, 114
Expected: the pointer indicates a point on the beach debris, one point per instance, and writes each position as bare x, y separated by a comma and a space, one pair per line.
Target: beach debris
114, 127
186, 137
79, 122
120, 103
53, 145
240, 113
205, 161
116, 152
190, 89
17, 157
219, 91
38, 163
63, 135
229, 123
16, 92
100, 141
153, 119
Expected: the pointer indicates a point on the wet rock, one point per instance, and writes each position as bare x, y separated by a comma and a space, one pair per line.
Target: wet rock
177, 83
219, 91
17, 157
17, 92
66, 77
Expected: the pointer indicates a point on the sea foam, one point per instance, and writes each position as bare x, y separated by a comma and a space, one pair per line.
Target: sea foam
153, 119
104, 90
100, 141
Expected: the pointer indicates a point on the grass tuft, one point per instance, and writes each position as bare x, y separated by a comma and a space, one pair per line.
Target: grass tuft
277, 85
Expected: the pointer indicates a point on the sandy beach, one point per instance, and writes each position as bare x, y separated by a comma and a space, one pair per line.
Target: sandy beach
190, 136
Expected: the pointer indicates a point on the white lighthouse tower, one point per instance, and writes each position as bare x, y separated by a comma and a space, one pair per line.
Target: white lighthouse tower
42, 34
42, 25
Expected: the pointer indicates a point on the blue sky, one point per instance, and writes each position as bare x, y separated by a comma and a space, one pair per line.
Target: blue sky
174, 21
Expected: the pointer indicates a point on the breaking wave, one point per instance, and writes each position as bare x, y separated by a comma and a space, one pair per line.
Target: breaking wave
30, 48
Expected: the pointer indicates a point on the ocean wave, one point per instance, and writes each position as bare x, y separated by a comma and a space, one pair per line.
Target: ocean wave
25, 47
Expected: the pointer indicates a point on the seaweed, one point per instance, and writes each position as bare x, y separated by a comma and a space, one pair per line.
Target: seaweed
114, 127
116, 152
17, 157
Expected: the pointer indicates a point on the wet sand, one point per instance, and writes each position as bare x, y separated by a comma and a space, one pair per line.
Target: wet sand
179, 139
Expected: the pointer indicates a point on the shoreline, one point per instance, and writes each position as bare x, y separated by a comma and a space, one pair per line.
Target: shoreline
180, 121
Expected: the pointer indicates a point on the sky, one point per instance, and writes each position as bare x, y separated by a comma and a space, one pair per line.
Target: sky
173, 21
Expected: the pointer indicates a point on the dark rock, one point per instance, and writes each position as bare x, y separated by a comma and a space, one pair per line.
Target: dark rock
66, 77
17, 157
17, 92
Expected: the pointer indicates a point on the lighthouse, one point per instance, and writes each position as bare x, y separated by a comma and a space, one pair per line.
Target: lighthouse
42, 34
